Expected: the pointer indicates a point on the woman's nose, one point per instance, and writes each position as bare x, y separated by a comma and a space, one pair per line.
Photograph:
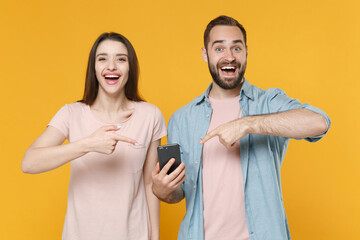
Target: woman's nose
111, 65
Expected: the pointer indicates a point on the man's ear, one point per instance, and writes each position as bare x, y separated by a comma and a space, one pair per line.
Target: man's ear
246, 50
203, 54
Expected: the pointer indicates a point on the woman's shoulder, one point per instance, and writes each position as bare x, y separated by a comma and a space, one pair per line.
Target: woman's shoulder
73, 108
145, 106
76, 106
148, 109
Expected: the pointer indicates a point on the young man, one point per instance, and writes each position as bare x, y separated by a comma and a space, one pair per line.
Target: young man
233, 140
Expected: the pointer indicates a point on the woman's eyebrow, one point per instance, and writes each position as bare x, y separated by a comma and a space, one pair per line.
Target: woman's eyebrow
105, 54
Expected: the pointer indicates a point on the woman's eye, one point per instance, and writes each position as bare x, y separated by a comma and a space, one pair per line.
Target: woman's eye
101, 59
122, 59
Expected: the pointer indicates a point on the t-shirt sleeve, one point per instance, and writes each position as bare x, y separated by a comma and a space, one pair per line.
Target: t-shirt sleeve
159, 126
61, 120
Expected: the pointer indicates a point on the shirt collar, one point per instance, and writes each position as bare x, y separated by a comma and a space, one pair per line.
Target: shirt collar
245, 89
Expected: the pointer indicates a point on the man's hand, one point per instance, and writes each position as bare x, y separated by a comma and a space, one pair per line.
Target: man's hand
167, 187
228, 133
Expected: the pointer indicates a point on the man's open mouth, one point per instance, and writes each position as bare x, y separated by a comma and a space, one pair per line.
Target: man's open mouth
228, 70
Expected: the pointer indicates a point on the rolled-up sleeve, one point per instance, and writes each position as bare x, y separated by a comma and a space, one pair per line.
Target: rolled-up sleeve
278, 101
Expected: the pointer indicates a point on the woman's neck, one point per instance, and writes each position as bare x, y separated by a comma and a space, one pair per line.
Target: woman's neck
113, 109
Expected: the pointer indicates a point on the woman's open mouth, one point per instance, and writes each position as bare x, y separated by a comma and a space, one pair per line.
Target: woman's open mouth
112, 79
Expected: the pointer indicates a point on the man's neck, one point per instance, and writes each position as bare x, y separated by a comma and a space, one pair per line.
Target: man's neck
217, 92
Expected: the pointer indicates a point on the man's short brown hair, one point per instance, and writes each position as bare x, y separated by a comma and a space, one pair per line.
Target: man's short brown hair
222, 20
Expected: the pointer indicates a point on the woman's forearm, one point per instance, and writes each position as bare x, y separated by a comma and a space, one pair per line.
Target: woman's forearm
43, 159
154, 211
152, 201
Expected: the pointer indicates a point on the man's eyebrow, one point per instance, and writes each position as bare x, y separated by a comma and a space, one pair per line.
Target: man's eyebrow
222, 41
105, 54
217, 41
239, 41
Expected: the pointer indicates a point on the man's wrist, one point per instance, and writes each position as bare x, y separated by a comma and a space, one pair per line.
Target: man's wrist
175, 197
247, 125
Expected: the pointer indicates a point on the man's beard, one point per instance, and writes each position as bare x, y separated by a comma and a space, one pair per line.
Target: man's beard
227, 84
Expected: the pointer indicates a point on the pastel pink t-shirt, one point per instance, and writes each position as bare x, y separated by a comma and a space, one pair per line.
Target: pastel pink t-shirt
223, 189
106, 198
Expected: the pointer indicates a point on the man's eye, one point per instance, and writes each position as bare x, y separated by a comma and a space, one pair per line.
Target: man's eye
218, 49
237, 49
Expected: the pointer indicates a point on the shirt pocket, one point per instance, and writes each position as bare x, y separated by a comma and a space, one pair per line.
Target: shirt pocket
134, 157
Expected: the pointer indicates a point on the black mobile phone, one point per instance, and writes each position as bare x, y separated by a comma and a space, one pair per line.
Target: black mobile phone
166, 152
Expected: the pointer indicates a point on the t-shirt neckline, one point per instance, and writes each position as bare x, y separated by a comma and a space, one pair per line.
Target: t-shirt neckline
88, 109
236, 98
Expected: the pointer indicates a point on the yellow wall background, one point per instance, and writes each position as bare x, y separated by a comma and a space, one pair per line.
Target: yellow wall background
308, 48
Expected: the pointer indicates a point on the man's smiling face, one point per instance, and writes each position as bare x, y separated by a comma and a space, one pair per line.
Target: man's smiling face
226, 54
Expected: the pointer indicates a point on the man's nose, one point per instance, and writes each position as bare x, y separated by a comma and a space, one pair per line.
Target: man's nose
229, 55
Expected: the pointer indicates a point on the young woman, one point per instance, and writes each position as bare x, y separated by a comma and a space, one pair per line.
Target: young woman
113, 136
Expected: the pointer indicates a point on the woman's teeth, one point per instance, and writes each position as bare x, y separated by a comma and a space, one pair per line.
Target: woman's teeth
112, 77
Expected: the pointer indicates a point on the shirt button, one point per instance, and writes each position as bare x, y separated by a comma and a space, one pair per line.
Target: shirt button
207, 115
194, 186
197, 161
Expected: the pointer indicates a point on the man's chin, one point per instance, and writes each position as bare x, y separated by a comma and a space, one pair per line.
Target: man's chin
228, 83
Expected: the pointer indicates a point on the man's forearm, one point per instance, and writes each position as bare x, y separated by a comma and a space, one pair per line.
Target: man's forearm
298, 123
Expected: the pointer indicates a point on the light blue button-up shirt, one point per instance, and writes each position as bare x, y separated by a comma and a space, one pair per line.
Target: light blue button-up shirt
261, 158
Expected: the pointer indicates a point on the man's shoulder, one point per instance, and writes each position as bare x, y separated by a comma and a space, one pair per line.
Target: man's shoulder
258, 93
195, 103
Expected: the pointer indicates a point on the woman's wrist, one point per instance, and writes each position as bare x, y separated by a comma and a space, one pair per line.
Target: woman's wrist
84, 145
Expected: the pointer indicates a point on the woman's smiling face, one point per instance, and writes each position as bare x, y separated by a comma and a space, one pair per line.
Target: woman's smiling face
111, 67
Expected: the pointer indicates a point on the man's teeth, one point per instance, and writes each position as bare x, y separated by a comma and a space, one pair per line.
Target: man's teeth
228, 68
